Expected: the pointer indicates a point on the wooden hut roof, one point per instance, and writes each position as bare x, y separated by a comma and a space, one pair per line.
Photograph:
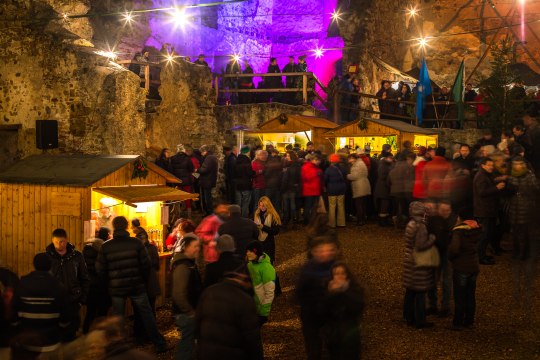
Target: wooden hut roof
145, 193
296, 123
393, 124
71, 170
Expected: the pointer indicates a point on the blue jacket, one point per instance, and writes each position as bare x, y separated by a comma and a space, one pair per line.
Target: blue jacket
335, 180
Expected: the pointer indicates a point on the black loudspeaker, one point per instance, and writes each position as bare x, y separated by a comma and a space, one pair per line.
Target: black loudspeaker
46, 134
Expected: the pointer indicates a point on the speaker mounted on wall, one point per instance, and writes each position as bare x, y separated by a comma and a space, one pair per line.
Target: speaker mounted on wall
47, 134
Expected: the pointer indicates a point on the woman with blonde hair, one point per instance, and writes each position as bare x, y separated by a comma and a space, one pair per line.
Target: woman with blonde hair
269, 222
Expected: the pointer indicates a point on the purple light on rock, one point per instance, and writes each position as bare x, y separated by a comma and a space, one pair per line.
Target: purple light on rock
254, 30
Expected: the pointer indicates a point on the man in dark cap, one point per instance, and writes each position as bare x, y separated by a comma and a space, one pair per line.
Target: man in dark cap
69, 267
228, 261
242, 230
227, 321
200, 61
42, 308
208, 177
243, 175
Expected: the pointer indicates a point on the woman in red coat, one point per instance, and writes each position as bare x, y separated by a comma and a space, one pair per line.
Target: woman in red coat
311, 176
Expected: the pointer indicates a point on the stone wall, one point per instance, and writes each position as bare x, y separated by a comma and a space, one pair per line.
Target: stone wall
449, 137
44, 74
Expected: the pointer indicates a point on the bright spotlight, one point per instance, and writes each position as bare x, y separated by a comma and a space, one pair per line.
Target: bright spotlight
413, 11
423, 42
336, 15
236, 57
180, 17
128, 17
65, 16
169, 58
319, 52
108, 54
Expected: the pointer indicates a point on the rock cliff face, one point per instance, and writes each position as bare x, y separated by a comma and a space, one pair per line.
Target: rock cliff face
453, 28
186, 112
46, 74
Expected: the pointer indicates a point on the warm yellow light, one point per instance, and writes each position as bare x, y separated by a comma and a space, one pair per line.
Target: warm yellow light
422, 42
108, 54
236, 57
319, 52
128, 17
336, 15
65, 16
413, 11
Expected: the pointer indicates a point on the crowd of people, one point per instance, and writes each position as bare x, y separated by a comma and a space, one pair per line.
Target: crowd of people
454, 207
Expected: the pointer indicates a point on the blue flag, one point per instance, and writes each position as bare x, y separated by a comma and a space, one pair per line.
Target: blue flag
423, 89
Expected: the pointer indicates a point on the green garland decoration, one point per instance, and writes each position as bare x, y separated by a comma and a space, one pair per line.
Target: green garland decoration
362, 124
140, 169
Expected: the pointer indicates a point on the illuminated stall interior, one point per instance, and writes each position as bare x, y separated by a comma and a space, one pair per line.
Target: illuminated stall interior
290, 129
144, 202
378, 132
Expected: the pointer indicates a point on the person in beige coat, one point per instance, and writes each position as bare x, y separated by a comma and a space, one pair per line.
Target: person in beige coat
360, 186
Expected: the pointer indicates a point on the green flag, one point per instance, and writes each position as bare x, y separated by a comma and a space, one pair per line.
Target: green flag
457, 93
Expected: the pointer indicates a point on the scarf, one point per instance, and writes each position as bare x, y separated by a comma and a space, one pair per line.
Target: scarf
267, 222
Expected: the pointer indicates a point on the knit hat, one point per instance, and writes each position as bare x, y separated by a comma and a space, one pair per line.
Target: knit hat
42, 262
245, 149
360, 151
234, 209
204, 148
334, 158
422, 150
255, 247
225, 243
180, 148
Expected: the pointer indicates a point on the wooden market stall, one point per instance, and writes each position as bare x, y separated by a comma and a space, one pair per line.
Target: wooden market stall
377, 132
290, 129
79, 193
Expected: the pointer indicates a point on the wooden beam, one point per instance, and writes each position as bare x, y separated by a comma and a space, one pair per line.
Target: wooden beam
484, 55
516, 36
456, 15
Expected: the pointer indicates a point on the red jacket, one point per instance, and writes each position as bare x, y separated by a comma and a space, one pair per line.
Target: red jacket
311, 179
207, 231
366, 160
258, 181
419, 190
433, 176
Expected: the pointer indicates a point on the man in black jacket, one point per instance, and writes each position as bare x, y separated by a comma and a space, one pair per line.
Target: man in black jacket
182, 167
208, 178
124, 262
486, 206
228, 167
228, 261
227, 321
243, 230
465, 160
69, 267
243, 174
98, 302
41, 308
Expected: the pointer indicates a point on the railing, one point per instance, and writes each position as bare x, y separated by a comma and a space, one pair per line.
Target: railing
440, 121
146, 81
302, 87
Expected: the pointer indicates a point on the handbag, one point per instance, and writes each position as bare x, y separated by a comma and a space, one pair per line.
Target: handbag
427, 258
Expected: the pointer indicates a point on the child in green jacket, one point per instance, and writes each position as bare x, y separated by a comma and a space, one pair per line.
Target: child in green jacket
263, 278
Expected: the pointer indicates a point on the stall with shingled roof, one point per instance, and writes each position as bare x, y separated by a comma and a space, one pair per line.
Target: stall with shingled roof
374, 133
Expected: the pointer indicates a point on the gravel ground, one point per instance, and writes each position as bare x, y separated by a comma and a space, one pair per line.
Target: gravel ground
504, 329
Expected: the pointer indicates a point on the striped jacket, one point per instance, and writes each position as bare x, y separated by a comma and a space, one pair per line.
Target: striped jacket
41, 309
